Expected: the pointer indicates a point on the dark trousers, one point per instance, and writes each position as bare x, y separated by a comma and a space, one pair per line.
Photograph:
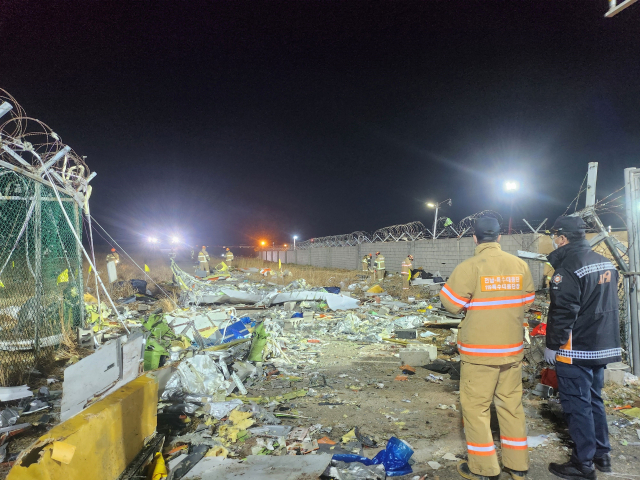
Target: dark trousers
579, 388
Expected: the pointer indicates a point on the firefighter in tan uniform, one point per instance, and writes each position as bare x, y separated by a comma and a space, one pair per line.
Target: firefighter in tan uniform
406, 272
113, 257
380, 267
495, 288
366, 262
228, 257
203, 258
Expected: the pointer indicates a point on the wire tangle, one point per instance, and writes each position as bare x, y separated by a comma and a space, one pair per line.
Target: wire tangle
21, 135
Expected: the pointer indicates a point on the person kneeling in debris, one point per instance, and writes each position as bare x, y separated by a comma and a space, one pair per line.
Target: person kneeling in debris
583, 336
495, 288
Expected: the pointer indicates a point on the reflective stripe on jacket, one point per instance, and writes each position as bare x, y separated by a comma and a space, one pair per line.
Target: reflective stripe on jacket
203, 257
495, 288
380, 262
229, 256
406, 266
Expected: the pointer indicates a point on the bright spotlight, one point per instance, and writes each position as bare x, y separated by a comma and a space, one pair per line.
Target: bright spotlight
511, 186
175, 240
295, 237
152, 240
262, 243
431, 205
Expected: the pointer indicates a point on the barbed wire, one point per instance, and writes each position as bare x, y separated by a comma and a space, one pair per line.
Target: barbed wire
406, 232
20, 133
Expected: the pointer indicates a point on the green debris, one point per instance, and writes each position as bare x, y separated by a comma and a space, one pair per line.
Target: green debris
258, 342
159, 341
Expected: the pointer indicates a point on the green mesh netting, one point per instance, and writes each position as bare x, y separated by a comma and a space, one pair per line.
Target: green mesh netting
41, 273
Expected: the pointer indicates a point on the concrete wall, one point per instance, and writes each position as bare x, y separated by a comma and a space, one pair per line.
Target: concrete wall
441, 255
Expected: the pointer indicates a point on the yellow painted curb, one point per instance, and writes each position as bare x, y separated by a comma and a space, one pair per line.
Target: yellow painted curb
106, 436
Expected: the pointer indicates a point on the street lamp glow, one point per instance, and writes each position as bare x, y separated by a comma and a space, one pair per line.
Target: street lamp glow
262, 243
295, 237
511, 186
431, 205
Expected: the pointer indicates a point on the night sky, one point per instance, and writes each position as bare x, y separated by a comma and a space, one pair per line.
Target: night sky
233, 122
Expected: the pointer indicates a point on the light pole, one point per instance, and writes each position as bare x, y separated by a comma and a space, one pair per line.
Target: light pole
295, 237
511, 187
437, 206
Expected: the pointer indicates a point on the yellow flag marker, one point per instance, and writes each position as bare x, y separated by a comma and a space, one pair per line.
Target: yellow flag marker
146, 268
1, 284
279, 264
89, 270
13, 264
63, 277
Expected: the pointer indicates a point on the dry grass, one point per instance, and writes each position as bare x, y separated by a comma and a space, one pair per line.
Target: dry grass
168, 305
330, 277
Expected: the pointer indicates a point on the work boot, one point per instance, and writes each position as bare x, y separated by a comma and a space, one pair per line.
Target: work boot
571, 471
463, 470
515, 474
603, 463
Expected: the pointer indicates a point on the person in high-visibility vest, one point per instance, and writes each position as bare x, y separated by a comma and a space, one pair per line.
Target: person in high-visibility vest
203, 258
380, 268
229, 257
495, 289
112, 260
113, 257
407, 263
365, 262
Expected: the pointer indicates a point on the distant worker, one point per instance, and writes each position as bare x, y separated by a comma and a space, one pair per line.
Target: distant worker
495, 288
229, 257
112, 260
380, 268
365, 262
203, 258
113, 256
407, 264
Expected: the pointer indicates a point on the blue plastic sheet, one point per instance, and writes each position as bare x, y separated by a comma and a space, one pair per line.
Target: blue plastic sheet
297, 315
335, 290
395, 458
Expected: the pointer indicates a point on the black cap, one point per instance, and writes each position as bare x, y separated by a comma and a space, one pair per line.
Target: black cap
568, 224
486, 227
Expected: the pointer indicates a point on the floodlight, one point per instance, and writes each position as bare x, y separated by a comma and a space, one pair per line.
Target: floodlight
511, 186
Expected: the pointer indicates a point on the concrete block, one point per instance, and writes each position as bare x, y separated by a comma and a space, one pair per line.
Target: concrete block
289, 306
615, 376
419, 356
107, 436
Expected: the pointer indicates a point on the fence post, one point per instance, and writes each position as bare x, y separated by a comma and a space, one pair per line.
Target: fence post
37, 234
79, 276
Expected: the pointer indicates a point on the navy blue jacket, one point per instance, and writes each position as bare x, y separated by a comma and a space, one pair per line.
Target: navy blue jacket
583, 324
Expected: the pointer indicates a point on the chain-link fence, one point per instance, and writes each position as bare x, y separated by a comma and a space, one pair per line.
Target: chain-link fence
40, 273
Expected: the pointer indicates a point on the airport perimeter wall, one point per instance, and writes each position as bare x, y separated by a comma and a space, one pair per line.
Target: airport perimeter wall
441, 255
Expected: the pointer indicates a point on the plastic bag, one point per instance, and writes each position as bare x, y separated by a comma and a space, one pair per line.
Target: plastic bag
394, 457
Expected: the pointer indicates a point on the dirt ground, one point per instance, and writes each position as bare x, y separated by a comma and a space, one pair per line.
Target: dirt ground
409, 410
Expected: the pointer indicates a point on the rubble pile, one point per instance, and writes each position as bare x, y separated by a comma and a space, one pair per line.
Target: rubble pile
242, 361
